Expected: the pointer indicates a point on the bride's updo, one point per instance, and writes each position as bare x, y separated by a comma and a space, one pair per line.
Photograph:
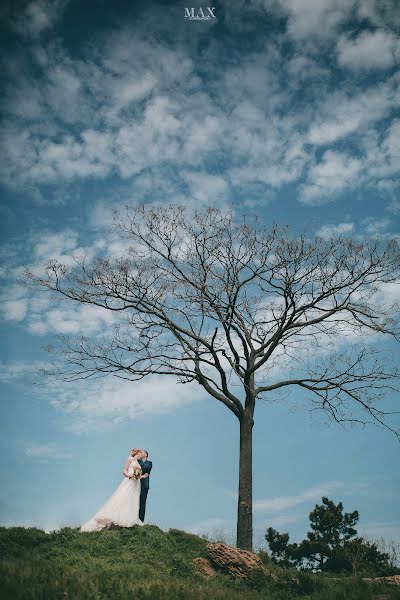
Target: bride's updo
134, 451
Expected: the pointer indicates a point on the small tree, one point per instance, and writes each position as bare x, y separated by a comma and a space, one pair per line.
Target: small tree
331, 545
246, 311
330, 528
282, 553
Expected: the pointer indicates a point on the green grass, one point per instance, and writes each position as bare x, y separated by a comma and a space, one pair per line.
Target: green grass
144, 563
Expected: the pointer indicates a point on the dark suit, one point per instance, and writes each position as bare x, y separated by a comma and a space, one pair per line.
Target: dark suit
146, 466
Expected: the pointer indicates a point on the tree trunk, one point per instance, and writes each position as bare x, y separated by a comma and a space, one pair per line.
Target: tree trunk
245, 499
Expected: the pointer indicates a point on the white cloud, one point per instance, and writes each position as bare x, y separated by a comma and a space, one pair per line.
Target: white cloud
341, 114
19, 371
381, 13
369, 50
68, 92
132, 90
138, 134
14, 303
102, 403
312, 23
387, 294
206, 189
45, 452
321, 19
39, 310
69, 319
279, 503
384, 158
394, 207
302, 69
375, 226
54, 245
336, 172
14, 310
101, 215
38, 16
283, 520
73, 158
328, 231
63, 246
145, 112
42, 313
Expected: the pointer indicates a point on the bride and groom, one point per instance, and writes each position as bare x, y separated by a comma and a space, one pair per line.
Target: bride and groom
127, 505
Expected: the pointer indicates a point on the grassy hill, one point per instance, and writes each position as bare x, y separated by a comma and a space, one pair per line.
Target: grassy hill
145, 563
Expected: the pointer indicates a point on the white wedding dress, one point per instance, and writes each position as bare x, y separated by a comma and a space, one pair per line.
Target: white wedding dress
122, 508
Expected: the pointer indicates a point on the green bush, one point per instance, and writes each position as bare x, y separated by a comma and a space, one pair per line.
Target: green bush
258, 580
306, 583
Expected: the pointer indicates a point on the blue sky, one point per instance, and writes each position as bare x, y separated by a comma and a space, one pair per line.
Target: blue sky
285, 109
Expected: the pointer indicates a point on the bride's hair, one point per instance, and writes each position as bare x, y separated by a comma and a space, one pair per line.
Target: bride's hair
134, 451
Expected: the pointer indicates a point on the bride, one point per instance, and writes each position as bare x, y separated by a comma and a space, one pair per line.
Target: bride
122, 508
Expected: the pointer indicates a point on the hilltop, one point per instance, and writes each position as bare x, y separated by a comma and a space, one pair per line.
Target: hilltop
149, 564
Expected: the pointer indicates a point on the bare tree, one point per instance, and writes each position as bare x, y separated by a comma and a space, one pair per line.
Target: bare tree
247, 311
388, 546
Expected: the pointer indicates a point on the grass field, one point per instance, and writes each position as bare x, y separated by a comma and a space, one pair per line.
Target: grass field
145, 563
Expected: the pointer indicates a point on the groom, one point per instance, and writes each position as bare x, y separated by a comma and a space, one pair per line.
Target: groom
146, 466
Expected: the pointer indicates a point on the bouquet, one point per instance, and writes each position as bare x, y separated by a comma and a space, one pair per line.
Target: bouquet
137, 472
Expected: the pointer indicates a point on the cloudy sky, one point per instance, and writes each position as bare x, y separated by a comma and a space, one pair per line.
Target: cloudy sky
288, 109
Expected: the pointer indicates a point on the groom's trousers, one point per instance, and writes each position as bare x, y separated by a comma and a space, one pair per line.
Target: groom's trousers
142, 506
